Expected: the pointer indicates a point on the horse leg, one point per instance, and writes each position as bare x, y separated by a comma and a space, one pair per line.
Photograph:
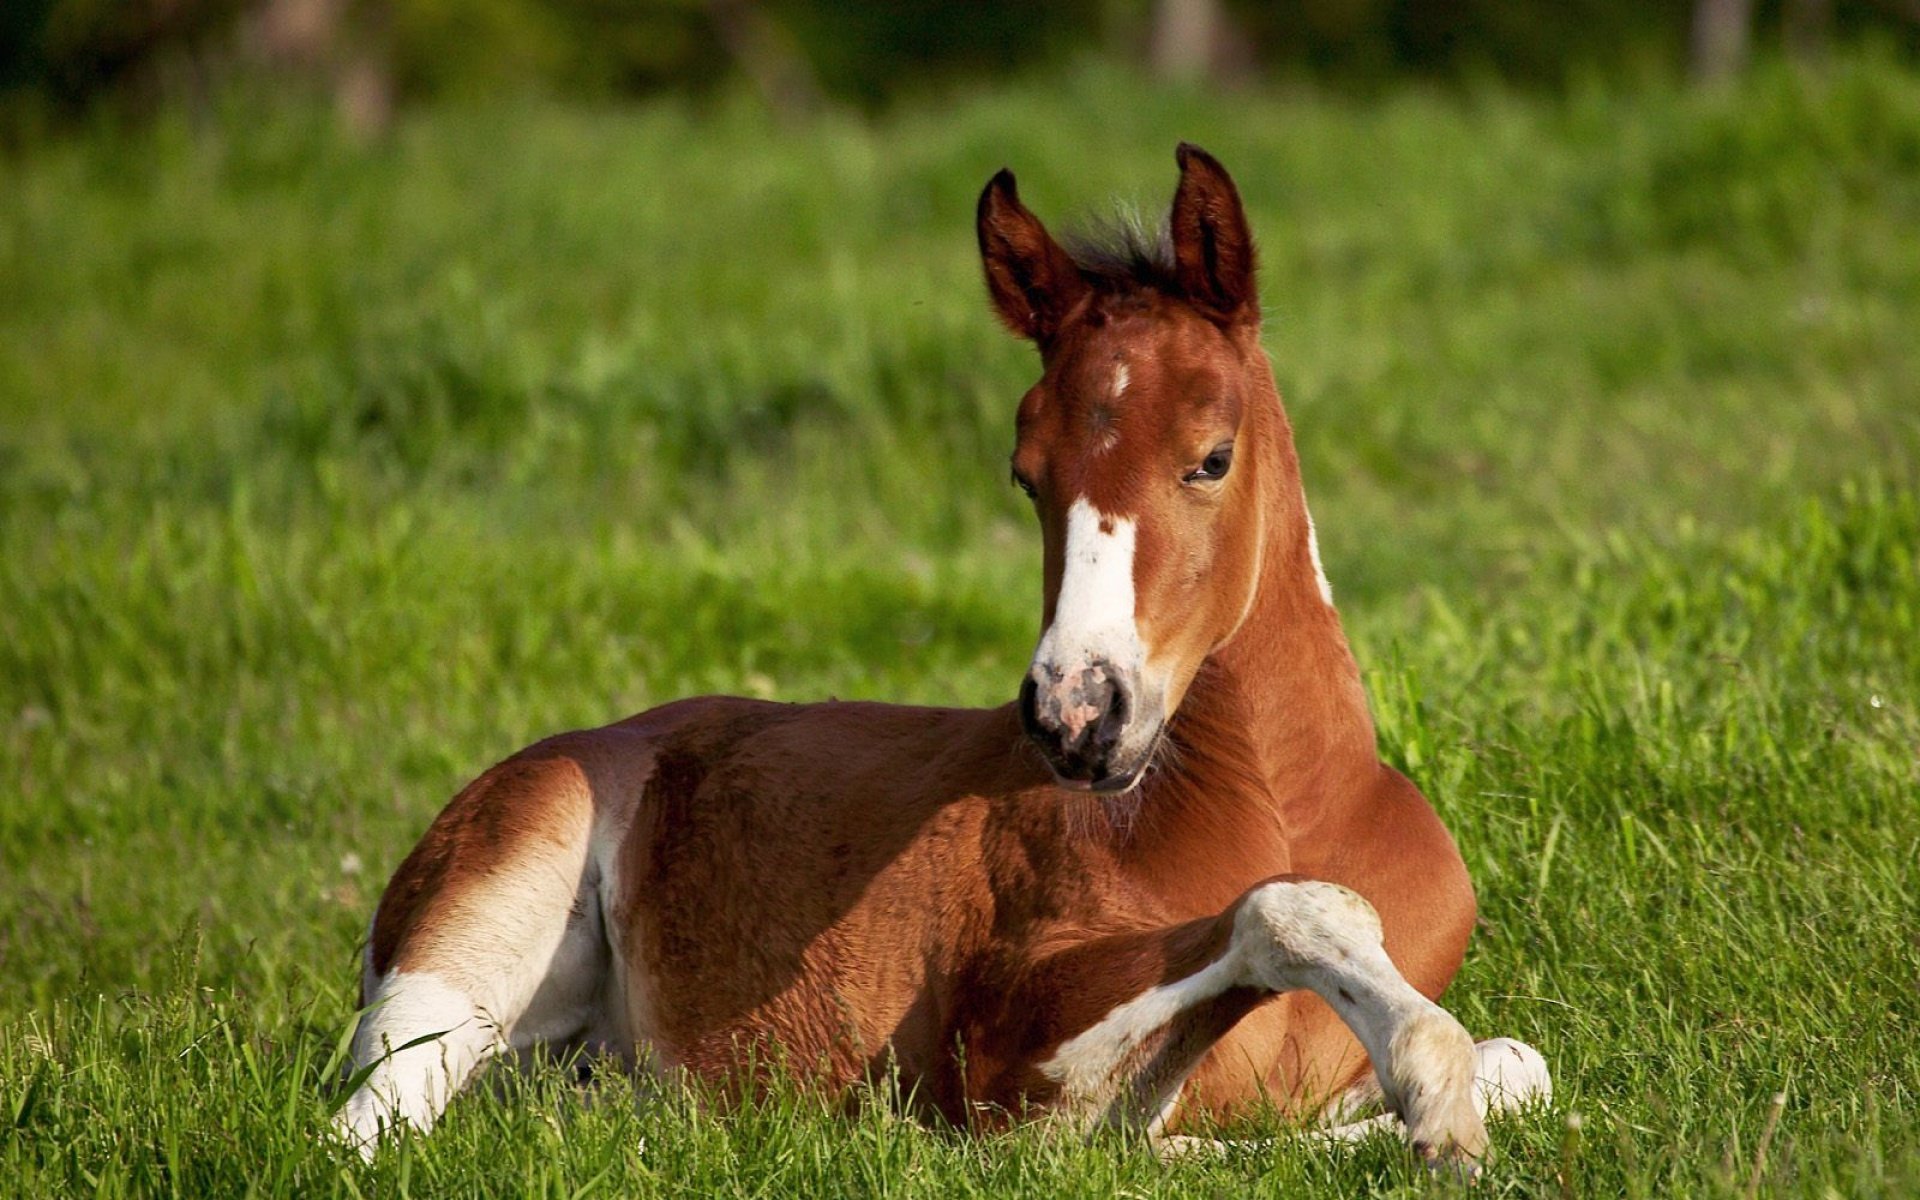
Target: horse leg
1507, 1075
1127, 1065
501, 948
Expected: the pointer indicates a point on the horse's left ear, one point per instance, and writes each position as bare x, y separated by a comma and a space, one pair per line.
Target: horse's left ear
1212, 246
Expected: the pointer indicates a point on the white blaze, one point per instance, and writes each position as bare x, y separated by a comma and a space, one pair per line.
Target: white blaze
1093, 615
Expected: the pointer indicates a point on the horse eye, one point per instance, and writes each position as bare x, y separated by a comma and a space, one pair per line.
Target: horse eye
1020, 481
1214, 466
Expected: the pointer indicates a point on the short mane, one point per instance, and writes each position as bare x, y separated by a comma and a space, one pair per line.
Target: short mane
1122, 254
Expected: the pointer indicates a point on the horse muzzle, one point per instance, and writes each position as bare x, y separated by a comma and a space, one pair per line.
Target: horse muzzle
1087, 722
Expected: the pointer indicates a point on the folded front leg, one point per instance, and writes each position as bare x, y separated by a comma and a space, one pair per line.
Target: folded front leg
1327, 939
1131, 1046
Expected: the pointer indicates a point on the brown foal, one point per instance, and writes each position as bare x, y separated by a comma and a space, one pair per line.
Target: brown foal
953, 894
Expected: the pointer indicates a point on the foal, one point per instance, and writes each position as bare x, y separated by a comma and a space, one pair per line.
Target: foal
866, 888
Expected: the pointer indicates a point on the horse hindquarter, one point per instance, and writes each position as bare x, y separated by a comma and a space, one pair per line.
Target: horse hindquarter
489, 938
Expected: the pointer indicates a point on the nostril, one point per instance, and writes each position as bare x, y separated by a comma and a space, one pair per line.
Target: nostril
1113, 716
1030, 706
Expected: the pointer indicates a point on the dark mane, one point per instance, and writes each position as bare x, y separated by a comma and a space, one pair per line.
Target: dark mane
1122, 254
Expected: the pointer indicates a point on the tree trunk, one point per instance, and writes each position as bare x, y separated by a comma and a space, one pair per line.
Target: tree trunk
1184, 32
767, 55
1808, 26
1196, 40
339, 44
1722, 31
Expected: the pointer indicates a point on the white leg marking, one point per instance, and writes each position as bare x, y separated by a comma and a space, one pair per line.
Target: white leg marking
1325, 938
518, 963
1507, 1075
1090, 1066
1180, 1147
411, 1084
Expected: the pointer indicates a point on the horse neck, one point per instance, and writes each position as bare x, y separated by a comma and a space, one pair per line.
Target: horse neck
1280, 705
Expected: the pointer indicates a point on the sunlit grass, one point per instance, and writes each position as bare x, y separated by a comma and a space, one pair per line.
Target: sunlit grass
330, 475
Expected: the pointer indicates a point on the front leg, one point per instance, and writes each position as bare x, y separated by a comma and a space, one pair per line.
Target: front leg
1327, 939
1134, 1013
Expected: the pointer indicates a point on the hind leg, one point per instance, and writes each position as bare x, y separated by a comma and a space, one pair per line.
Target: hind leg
427, 1028
497, 952
419, 1040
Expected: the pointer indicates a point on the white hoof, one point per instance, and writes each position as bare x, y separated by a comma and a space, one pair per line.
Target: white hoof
1508, 1075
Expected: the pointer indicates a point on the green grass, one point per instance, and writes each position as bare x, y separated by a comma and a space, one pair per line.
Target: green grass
329, 475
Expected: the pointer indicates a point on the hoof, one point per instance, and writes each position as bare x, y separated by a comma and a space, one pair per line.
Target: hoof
1510, 1076
1430, 1084
1453, 1160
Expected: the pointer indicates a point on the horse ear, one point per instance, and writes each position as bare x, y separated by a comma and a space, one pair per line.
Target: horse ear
1212, 246
1033, 282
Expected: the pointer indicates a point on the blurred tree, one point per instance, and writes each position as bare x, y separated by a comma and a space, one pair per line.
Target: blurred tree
870, 52
1197, 40
767, 55
1721, 34
343, 45
1519, 41
1807, 27
60, 55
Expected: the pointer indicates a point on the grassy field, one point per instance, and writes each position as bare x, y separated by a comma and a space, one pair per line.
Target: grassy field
329, 475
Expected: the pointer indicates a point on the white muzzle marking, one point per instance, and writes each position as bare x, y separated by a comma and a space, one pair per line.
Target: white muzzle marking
1093, 635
